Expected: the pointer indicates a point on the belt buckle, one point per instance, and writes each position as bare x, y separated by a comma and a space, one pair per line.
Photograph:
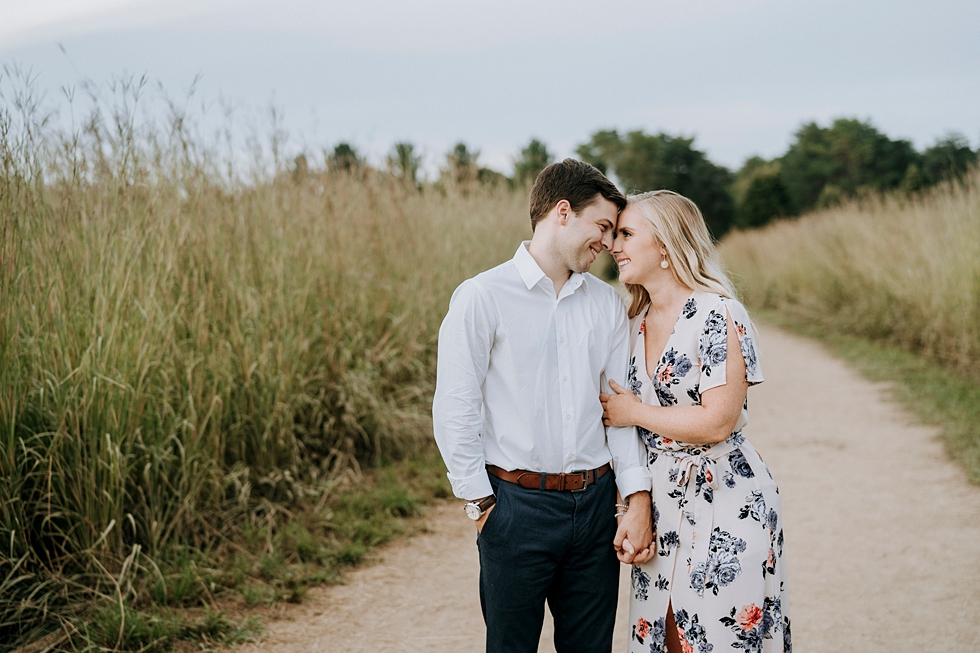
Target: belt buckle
585, 479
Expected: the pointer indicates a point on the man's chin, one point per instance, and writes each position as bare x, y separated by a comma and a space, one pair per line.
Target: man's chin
587, 261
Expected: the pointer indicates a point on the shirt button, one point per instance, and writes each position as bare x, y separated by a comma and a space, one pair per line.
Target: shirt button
568, 417
561, 340
564, 378
569, 456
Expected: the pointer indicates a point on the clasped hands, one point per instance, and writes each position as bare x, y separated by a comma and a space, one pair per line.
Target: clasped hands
634, 542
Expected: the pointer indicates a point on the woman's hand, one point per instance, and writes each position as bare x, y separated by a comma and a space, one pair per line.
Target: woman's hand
617, 409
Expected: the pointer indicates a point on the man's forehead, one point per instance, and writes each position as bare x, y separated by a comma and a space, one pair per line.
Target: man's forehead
602, 210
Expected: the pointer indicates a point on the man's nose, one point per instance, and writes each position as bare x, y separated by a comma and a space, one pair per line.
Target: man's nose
607, 241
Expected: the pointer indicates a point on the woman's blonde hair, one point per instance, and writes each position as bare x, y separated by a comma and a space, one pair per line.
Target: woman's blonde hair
678, 224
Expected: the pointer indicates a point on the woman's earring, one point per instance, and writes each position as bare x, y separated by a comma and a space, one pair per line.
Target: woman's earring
664, 264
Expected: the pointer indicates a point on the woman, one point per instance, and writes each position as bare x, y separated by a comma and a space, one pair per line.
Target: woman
717, 580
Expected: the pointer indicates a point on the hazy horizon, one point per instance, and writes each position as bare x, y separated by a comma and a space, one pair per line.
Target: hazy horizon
740, 76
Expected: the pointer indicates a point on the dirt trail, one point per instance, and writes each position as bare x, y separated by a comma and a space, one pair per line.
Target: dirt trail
882, 536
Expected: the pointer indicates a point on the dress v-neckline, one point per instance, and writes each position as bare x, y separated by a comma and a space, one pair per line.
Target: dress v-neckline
673, 330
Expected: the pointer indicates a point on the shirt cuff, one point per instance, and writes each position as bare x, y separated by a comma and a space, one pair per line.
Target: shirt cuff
473, 487
635, 479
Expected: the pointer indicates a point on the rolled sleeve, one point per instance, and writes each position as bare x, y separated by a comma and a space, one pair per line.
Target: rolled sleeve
472, 487
633, 480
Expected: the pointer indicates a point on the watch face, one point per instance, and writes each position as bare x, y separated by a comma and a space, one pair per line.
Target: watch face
472, 511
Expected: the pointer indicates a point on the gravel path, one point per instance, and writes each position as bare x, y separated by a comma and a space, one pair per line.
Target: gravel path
882, 536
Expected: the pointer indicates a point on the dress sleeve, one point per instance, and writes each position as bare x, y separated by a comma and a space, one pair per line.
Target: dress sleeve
713, 344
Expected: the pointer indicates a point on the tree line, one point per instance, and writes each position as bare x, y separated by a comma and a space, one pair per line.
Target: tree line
461, 164
821, 167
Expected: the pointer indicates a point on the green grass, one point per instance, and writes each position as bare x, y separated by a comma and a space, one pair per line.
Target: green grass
929, 388
277, 560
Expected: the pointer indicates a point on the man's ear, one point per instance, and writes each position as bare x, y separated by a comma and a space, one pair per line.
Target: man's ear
563, 211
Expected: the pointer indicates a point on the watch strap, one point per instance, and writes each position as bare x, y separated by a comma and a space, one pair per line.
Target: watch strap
485, 503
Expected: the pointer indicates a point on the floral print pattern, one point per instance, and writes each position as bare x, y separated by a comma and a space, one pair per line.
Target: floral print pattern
668, 542
753, 625
739, 464
656, 631
690, 309
722, 566
672, 368
632, 382
692, 634
713, 346
717, 516
640, 581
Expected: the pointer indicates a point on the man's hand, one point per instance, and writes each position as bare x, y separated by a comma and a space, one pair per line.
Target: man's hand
634, 542
617, 409
483, 518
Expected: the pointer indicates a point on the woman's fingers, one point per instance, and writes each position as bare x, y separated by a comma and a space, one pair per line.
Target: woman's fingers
643, 556
620, 390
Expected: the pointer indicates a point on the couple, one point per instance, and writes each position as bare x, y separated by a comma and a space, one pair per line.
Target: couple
583, 435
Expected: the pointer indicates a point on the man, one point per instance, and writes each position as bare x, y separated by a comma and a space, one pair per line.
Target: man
523, 353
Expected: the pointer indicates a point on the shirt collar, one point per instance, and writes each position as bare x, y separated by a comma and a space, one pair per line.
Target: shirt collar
532, 274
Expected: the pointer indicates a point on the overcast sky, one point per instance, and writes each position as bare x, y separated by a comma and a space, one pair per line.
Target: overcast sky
739, 75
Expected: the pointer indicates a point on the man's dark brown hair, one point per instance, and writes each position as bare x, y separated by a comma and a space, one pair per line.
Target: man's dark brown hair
578, 182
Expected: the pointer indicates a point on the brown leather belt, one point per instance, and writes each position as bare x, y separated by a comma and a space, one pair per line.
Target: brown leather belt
565, 481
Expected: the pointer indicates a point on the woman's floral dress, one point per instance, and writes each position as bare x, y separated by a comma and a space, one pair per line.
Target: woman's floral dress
716, 510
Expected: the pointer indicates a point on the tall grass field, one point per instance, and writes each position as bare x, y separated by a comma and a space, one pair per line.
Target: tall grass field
187, 352
197, 355
894, 283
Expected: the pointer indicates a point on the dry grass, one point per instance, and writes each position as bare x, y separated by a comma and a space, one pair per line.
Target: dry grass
183, 353
895, 269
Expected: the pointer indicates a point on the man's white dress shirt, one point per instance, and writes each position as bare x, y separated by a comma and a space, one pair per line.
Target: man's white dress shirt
519, 375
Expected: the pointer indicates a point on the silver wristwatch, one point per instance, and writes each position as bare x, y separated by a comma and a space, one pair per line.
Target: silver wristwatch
476, 509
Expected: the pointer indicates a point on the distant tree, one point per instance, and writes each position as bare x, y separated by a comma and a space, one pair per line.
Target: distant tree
602, 149
949, 158
461, 164
462, 167
490, 177
300, 168
404, 163
765, 199
533, 159
643, 162
825, 164
344, 157
914, 180
753, 168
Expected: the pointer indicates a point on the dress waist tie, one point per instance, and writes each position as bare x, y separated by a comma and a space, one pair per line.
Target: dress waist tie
692, 467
